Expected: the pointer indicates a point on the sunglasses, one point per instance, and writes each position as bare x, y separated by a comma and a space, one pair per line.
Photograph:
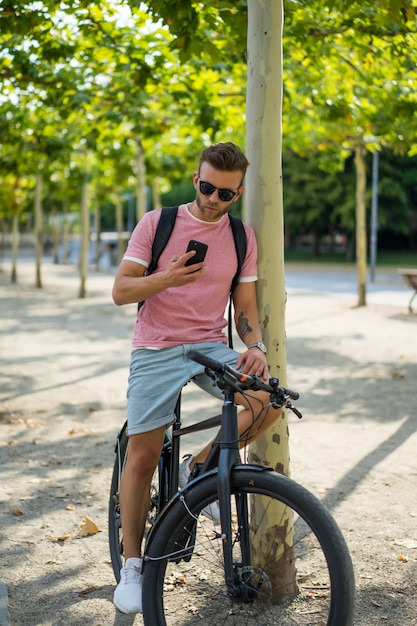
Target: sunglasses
225, 195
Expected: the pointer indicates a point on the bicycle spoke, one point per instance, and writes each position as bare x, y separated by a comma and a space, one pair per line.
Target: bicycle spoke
194, 592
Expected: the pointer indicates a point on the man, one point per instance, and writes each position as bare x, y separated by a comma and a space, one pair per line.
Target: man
184, 309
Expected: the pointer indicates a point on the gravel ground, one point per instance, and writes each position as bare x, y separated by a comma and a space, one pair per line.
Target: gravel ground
64, 369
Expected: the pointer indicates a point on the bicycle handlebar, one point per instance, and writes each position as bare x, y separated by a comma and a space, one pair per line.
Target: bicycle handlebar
246, 381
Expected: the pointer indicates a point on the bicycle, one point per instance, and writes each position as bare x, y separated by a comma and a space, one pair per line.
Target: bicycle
239, 572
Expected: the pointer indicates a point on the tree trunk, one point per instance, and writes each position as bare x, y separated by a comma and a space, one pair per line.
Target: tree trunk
55, 233
15, 246
97, 228
85, 239
140, 181
119, 226
65, 232
265, 214
361, 265
3, 241
38, 229
156, 196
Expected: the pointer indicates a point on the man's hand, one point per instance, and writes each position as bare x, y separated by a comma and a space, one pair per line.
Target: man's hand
176, 273
253, 361
133, 285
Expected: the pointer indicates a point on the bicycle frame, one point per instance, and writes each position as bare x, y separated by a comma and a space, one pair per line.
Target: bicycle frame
177, 431
224, 455
229, 456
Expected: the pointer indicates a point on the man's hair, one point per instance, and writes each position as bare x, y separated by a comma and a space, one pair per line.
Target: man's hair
226, 157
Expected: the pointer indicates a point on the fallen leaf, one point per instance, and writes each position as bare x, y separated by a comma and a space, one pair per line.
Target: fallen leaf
88, 527
17, 512
375, 603
402, 558
397, 374
176, 578
77, 430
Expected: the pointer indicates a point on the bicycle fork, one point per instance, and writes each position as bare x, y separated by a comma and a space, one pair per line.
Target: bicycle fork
229, 456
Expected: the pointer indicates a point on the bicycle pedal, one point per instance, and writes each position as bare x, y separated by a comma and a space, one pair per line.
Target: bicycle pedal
195, 471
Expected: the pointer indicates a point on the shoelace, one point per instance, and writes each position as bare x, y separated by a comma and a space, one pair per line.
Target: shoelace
131, 575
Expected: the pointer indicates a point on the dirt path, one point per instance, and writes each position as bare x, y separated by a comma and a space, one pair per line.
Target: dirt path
62, 397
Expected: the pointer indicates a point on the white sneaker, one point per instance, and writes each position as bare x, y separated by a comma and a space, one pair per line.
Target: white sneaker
128, 593
184, 471
212, 511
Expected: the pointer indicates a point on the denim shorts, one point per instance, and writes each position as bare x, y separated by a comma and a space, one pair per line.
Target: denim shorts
157, 377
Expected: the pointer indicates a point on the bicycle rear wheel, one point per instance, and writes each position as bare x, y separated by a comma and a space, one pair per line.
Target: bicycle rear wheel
114, 520
158, 496
312, 583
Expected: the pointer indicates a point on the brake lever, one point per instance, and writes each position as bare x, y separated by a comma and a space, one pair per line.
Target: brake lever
295, 410
280, 401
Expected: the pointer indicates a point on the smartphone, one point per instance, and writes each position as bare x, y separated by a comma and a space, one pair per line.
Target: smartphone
200, 249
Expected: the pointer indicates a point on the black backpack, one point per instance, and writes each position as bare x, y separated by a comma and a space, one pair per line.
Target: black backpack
163, 233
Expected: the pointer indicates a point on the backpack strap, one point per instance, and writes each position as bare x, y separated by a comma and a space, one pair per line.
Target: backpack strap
239, 236
162, 235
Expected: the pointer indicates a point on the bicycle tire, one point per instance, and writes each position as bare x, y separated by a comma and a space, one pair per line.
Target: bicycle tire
158, 497
195, 592
114, 521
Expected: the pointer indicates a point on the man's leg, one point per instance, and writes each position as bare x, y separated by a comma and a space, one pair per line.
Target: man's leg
248, 429
142, 458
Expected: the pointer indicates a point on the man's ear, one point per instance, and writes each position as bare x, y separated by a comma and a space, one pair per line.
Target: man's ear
239, 193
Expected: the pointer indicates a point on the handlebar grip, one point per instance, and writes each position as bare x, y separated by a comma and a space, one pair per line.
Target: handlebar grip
294, 395
216, 366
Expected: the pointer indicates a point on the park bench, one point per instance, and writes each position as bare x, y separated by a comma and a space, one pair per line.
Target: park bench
410, 277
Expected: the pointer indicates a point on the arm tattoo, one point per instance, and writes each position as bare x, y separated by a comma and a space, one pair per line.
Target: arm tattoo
242, 326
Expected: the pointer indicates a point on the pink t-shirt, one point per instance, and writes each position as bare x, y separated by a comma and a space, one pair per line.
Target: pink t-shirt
193, 313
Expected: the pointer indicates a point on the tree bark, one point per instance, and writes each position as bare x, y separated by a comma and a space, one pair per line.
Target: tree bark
156, 197
119, 226
38, 229
97, 228
140, 181
84, 239
361, 264
15, 246
65, 232
265, 214
55, 233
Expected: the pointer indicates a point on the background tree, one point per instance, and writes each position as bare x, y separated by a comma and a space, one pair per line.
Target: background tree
357, 67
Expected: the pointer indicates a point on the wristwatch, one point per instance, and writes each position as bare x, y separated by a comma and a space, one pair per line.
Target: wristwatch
261, 346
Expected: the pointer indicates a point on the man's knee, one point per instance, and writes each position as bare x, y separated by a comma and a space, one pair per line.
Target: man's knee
144, 452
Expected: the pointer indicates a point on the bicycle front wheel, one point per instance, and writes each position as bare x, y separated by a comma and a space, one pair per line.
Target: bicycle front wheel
291, 563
